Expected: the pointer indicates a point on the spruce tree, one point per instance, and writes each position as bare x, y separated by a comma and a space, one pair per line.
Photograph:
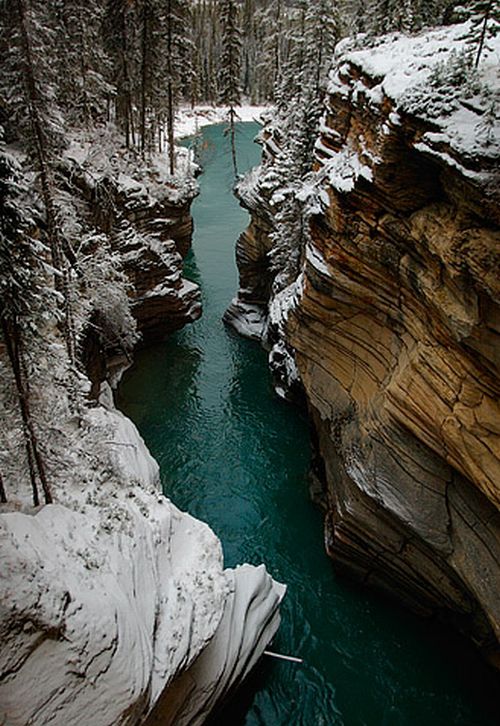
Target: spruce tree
178, 54
31, 24
82, 62
484, 16
120, 43
230, 88
25, 302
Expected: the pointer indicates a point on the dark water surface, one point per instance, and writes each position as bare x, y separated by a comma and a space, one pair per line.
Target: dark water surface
232, 454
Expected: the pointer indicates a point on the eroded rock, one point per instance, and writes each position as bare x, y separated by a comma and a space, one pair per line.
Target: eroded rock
395, 332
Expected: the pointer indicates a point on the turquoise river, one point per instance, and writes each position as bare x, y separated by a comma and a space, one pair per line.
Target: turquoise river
234, 455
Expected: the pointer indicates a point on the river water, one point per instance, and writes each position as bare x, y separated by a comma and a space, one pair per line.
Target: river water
234, 455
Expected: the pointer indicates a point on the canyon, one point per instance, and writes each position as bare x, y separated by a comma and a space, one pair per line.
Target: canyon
390, 327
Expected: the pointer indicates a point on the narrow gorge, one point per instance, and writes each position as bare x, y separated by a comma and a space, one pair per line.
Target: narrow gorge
113, 601
249, 363
235, 455
389, 325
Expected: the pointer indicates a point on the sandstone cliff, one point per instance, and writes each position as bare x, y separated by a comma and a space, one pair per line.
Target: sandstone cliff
393, 324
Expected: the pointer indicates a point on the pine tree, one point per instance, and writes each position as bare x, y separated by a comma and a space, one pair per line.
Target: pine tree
272, 39
31, 23
120, 43
82, 62
178, 52
230, 88
484, 16
25, 304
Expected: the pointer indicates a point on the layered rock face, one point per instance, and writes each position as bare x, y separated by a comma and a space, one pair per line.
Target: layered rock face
394, 327
147, 217
153, 237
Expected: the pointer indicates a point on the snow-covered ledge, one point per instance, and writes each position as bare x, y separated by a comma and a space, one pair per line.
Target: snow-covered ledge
114, 601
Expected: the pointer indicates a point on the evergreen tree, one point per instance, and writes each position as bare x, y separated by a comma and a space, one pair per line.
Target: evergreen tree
31, 25
25, 305
120, 42
272, 41
83, 64
178, 52
230, 88
484, 16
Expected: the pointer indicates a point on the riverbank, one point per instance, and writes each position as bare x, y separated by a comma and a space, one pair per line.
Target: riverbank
189, 120
237, 456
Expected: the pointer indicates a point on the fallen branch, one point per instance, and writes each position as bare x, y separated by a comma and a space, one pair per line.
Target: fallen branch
291, 658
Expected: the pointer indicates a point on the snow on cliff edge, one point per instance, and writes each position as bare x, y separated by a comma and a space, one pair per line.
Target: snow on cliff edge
107, 597
425, 75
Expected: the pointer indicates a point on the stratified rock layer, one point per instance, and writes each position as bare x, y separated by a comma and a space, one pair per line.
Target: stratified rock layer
394, 324
146, 216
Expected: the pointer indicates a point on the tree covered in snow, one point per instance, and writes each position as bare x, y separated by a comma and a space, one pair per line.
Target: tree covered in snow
484, 17
288, 238
33, 104
178, 55
26, 304
84, 89
272, 41
383, 16
230, 85
120, 40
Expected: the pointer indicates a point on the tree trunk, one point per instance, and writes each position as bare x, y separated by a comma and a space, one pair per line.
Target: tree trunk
13, 342
483, 32
126, 78
3, 496
61, 283
232, 136
144, 73
170, 91
170, 128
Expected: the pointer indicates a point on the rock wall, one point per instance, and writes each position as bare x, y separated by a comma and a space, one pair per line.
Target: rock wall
393, 325
146, 216
153, 234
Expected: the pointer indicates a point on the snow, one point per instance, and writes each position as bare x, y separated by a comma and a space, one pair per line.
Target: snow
343, 169
282, 364
111, 594
316, 260
189, 120
222, 666
103, 606
247, 319
404, 69
283, 303
100, 154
